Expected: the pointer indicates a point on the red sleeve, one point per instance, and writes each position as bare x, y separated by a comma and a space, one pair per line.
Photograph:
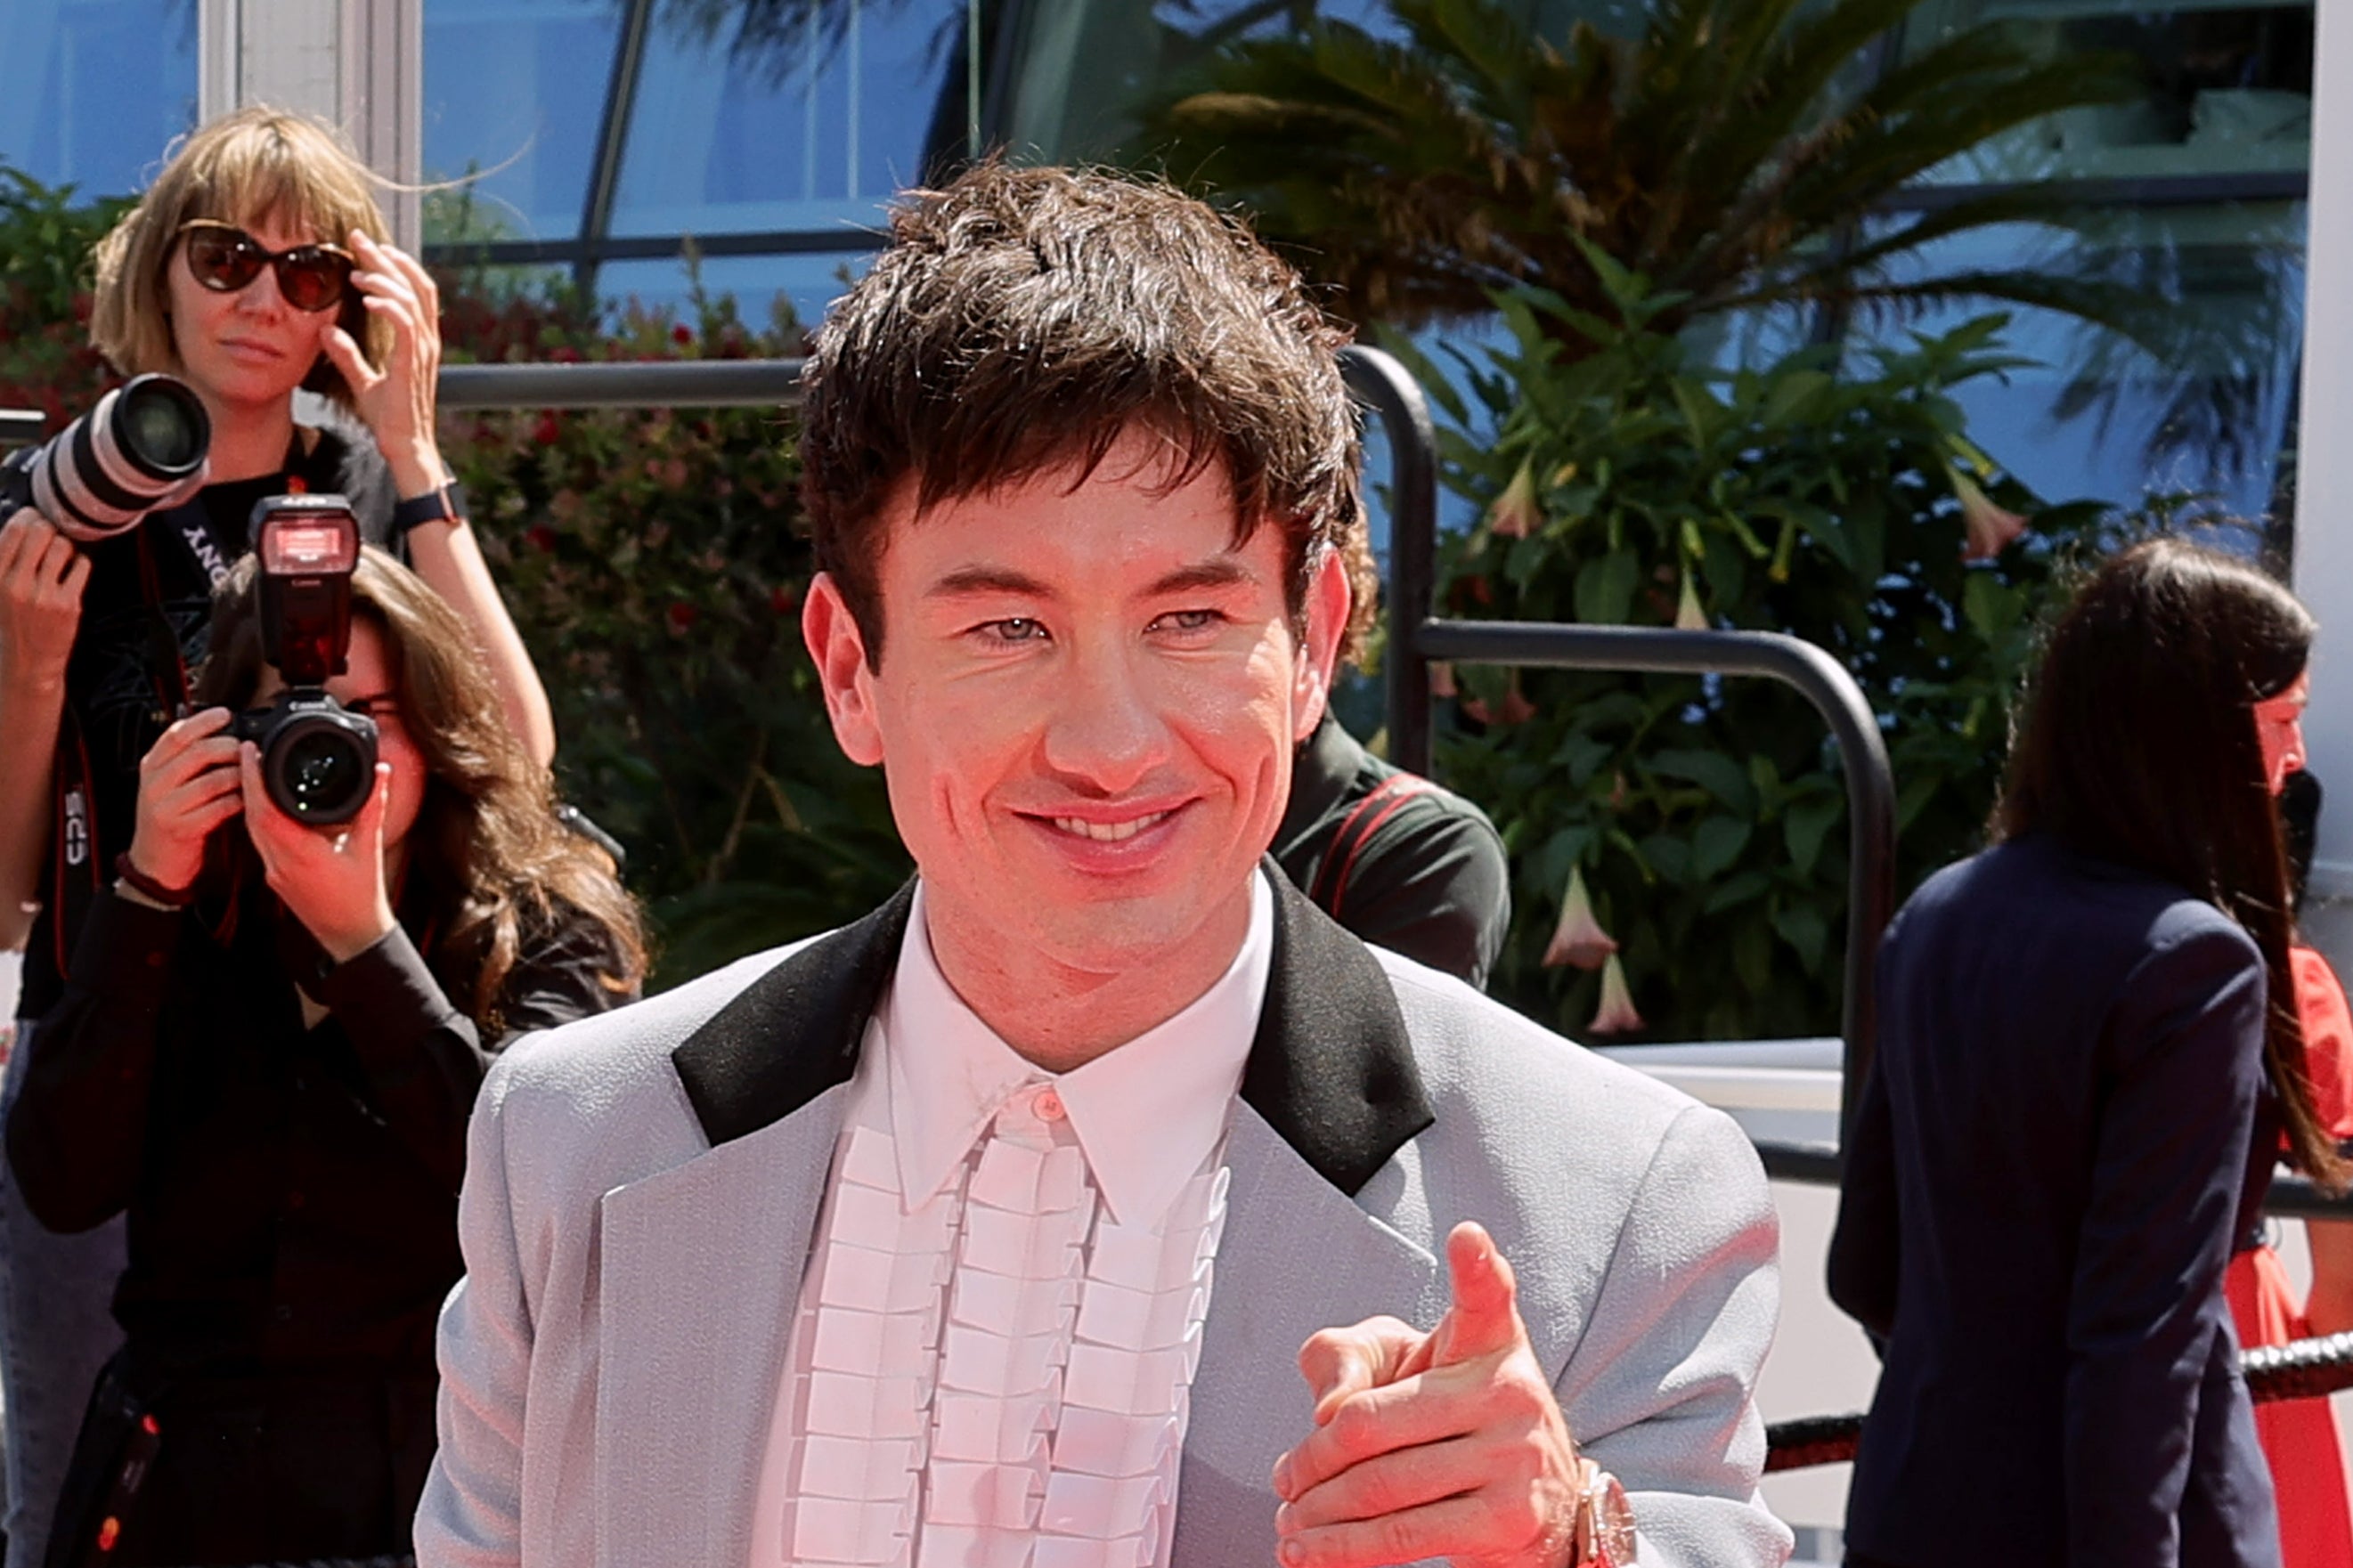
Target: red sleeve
2327, 1039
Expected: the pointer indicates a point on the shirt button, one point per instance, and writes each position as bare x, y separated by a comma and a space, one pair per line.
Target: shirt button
1048, 1106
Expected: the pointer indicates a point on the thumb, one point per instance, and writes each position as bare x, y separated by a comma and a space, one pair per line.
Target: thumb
1486, 1317
367, 829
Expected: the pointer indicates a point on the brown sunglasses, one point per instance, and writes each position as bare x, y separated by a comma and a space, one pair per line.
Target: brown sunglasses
225, 258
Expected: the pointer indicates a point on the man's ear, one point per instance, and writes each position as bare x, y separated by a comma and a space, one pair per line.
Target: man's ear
840, 649
1328, 599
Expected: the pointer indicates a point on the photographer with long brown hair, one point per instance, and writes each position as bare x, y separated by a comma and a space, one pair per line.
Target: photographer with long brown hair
2088, 1055
266, 1053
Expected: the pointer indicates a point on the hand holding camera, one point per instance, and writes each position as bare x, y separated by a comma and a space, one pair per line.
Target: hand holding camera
332, 882
41, 580
188, 785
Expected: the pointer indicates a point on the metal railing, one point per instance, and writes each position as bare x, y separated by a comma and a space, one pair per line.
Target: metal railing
1415, 639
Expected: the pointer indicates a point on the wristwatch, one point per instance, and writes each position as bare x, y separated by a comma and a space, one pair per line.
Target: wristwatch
1605, 1523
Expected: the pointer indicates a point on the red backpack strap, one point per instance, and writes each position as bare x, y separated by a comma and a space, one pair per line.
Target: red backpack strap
1357, 829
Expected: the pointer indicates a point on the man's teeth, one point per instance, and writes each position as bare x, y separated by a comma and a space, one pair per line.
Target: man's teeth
1107, 832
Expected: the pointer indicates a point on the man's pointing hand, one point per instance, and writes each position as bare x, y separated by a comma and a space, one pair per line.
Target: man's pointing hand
1448, 1444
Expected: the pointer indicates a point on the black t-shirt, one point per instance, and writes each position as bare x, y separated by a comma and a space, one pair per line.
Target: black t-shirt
1421, 872
118, 678
292, 1202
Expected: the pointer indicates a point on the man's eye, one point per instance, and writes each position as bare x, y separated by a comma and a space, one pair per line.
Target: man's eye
1191, 620
1013, 629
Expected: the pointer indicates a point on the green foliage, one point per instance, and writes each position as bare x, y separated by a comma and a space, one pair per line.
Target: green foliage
654, 562
1709, 815
46, 239
1729, 149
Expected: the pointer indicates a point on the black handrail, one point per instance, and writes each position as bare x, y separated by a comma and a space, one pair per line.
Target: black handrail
1389, 390
1415, 639
624, 383
1824, 682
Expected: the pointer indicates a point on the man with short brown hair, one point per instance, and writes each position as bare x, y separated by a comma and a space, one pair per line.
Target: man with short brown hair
998, 1227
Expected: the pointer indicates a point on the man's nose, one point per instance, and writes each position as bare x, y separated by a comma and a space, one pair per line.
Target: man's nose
1108, 730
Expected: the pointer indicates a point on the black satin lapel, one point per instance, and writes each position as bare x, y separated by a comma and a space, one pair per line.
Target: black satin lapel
794, 1033
1332, 1069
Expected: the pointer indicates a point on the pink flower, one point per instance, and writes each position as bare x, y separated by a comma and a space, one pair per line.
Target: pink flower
1990, 528
1579, 939
1616, 1015
1689, 617
1514, 514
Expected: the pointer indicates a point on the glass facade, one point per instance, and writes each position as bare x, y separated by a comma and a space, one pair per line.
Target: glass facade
597, 136
95, 89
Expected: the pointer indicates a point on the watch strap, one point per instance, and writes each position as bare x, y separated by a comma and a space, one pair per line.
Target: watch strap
444, 503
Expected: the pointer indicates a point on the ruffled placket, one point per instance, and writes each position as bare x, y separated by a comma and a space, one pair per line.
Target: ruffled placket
999, 1377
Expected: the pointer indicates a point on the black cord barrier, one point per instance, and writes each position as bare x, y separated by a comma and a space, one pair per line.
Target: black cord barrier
2302, 1369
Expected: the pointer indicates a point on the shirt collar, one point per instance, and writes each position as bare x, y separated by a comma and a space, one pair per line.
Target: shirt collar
1146, 1113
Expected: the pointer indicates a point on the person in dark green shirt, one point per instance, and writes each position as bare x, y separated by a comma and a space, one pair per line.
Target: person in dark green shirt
1399, 860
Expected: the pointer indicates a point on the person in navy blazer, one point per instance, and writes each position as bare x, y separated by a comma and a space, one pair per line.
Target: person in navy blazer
2079, 1079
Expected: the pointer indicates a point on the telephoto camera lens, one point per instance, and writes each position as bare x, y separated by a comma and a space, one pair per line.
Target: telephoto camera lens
143, 447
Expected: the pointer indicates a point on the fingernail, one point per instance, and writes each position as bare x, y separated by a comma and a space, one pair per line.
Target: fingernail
1283, 1477
1293, 1550
1286, 1519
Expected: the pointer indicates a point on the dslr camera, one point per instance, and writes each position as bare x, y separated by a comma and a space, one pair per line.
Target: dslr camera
317, 758
145, 446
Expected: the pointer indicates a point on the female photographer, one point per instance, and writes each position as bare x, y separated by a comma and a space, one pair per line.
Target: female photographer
2089, 1054
256, 264
266, 1051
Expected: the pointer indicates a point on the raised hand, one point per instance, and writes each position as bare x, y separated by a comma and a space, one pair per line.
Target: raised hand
396, 401
187, 786
331, 878
1448, 1444
41, 580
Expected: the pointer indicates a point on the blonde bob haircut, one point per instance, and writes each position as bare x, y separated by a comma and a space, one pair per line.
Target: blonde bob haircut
247, 166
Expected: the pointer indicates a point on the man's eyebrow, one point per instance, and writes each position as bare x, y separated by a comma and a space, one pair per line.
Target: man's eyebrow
969, 579
1221, 572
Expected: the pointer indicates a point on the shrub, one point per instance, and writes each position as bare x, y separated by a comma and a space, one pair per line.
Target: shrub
1705, 818
45, 241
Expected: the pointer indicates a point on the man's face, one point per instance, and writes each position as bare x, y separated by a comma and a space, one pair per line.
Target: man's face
1086, 708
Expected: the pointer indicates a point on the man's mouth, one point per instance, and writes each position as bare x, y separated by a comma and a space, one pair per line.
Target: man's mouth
1109, 832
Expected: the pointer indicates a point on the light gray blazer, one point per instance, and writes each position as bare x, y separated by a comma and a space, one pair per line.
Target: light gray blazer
642, 1187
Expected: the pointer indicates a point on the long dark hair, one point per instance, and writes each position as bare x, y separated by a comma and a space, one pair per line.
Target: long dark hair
2140, 748
489, 863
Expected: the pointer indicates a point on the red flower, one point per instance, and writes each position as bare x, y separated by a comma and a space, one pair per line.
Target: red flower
682, 616
548, 431
785, 597
540, 536
681, 334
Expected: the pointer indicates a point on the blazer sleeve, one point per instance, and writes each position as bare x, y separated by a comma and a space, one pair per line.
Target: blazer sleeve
2182, 1064
471, 1512
1660, 1390
1866, 1253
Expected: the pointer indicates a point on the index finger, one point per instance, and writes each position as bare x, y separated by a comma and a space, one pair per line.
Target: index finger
25, 531
1337, 1362
1425, 1407
183, 733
